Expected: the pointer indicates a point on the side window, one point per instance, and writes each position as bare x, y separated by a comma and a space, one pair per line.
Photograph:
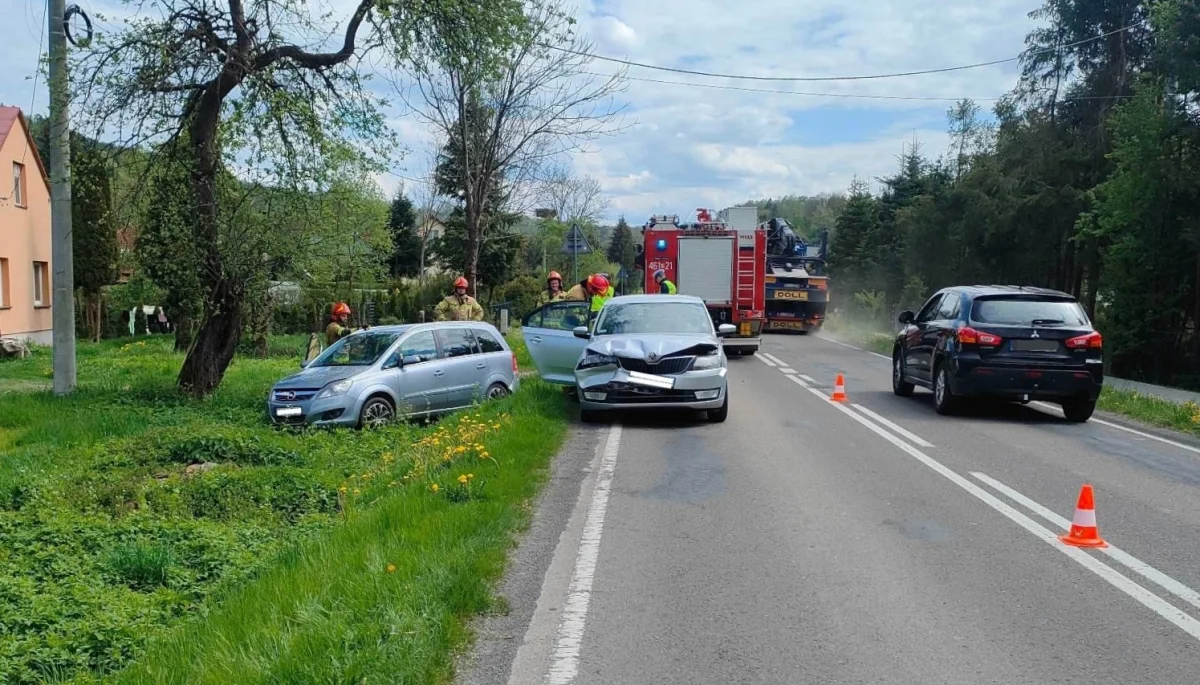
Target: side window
560, 316
487, 342
420, 345
930, 308
458, 342
950, 308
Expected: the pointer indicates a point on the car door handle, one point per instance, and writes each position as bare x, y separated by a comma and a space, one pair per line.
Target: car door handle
439, 372
481, 366
536, 339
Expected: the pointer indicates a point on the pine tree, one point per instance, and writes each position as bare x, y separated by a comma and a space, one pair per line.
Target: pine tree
406, 244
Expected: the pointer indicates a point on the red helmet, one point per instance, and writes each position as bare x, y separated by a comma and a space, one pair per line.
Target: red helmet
460, 282
554, 277
597, 284
341, 308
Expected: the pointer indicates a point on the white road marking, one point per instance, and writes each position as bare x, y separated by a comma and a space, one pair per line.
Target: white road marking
1134, 564
810, 379
787, 369
1127, 429
564, 664
914, 438
773, 358
853, 347
759, 356
800, 382
1158, 605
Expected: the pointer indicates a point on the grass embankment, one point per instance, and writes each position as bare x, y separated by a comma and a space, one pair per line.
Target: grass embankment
149, 538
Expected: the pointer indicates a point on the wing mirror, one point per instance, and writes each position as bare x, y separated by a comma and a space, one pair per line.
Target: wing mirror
725, 330
582, 332
906, 317
304, 363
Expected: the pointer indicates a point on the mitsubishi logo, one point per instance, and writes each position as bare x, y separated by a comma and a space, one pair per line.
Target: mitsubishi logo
1034, 334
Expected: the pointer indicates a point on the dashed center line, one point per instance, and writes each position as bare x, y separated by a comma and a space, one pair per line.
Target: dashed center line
762, 358
773, 358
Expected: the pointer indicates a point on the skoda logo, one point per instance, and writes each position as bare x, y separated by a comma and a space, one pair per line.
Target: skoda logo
286, 395
653, 357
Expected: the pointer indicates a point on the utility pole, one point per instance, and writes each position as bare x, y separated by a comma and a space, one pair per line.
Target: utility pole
63, 300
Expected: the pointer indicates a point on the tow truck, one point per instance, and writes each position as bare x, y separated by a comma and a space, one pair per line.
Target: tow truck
797, 289
720, 260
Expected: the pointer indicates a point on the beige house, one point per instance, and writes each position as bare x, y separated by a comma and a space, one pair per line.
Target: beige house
24, 233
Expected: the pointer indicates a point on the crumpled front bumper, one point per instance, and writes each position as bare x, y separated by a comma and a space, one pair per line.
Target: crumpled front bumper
613, 388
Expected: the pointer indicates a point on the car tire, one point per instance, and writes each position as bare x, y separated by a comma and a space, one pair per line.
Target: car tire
900, 387
1079, 411
944, 400
497, 391
376, 412
719, 415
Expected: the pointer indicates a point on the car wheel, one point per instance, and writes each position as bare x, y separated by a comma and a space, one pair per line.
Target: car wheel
719, 415
497, 391
1079, 411
900, 386
943, 399
375, 413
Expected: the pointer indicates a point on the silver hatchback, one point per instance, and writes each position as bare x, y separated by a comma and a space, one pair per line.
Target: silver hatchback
416, 370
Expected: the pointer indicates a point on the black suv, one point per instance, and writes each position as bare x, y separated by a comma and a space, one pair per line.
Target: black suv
1015, 343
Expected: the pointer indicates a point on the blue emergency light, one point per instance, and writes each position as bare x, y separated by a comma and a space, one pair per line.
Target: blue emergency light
661, 244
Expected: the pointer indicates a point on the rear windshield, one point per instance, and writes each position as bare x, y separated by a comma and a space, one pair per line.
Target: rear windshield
1028, 311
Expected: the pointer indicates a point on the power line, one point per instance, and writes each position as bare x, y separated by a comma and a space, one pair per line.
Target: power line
748, 89
744, 77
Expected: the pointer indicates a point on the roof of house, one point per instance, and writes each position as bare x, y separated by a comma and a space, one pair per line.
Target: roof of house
8, 118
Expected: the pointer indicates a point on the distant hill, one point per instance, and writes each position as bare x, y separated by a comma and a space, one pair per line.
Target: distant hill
806, 214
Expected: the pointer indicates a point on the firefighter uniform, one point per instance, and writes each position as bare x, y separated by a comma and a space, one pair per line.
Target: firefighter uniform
458, 308
547, 297
335, 331
577, 293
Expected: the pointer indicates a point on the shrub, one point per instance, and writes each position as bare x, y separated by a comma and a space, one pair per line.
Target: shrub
141, 566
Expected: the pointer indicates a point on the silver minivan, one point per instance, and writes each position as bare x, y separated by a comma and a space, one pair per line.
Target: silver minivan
415, 370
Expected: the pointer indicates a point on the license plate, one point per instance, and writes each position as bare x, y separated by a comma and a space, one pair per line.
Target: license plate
649, 380
791, 295
1035, 346
284, 412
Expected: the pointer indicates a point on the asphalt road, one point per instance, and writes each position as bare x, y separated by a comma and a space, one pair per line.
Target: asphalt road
874, 542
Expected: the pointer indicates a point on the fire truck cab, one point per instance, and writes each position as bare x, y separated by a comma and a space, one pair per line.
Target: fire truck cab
721, 263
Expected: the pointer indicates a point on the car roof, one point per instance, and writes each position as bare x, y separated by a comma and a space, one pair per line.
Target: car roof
405, 327
985, 290
633, 299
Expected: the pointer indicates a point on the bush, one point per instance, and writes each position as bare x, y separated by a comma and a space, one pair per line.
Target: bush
522, 293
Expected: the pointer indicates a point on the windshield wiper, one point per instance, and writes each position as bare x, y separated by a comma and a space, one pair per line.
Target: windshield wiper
1047, 322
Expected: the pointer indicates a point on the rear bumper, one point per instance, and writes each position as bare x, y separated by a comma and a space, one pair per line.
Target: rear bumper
735, 342
1021, 383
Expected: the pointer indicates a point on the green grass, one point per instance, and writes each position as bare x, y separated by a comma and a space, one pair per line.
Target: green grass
121, 560
1152, 410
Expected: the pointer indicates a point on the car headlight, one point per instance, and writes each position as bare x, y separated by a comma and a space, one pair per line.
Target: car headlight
336, 388
593, 359
708, 361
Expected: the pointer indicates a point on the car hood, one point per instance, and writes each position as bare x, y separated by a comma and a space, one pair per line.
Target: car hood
653, 346
319, 377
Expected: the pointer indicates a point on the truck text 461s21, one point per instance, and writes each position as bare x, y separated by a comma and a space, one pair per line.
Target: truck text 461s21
721, 260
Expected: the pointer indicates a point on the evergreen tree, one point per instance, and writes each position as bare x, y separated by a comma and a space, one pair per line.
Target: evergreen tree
620, 248
406, 244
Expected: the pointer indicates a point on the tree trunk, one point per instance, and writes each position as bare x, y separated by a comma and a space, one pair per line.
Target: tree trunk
183, 330
215, 344
472, 218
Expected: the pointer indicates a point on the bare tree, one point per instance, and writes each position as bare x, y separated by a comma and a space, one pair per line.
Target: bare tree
572, 198
432, 208
504, 125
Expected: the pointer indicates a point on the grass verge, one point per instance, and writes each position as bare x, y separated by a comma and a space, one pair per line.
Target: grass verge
1151, 410
145, 537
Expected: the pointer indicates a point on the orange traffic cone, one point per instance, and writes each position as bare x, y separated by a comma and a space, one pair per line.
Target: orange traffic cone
1084, 532
839, 390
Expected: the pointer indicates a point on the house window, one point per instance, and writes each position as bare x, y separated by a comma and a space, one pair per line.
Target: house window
4, 283
41, 284
18, 184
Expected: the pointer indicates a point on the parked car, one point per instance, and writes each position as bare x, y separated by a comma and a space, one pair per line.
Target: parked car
418, 370
1015, 343
645, 351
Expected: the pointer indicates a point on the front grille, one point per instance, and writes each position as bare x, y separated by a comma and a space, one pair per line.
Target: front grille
663, 367
649, 396
293, 395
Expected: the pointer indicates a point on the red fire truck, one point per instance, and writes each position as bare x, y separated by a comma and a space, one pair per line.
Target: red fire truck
719, 262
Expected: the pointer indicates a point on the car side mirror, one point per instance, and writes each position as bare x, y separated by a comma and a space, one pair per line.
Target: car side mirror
726, 329
393, 362
410, 360
581, 332
304, 363
906, 317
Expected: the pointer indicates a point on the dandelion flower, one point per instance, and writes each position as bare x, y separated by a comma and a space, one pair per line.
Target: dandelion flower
342, 489
460, 449
484, 455
357, 491
434, 487
470, 476
391, 568
463, 479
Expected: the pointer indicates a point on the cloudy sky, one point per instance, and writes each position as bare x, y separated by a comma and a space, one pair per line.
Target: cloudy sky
688, 145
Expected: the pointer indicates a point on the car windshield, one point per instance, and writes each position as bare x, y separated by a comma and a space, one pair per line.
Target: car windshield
1028, 312
654, 317
362, 349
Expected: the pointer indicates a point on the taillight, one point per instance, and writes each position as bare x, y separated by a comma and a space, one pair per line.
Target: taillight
1091, 341
970, 336
514, 356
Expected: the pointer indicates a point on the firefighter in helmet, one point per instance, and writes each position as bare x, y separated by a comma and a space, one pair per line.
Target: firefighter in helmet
553, 291
594, 288
339, 320
458, 306
665, 286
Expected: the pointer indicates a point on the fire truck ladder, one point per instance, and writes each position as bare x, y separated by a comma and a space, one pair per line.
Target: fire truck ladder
747, 275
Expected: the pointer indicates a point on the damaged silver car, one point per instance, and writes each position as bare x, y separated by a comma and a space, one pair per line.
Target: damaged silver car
644, 352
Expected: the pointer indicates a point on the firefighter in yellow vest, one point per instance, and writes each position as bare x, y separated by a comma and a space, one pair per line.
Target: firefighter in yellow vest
458, 307
665, 286
553, 291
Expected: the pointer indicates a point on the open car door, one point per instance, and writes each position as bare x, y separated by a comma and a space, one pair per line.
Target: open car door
549, 335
